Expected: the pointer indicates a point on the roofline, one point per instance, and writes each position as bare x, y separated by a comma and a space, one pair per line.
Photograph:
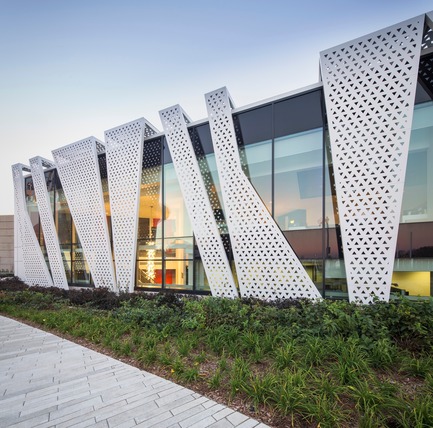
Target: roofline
256, 104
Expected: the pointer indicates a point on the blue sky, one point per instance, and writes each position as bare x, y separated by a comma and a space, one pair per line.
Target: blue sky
71, 69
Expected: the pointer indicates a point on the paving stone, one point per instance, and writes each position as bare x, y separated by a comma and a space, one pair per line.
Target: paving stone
250, 423
194, 402
203, 423
222, 423
236, 418
223, 413
29, 423
202, 416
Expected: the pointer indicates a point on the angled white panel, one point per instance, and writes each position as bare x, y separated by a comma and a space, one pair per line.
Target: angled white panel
197, 203
124, 146
266, 265
57, 264
35, 268
369, 86
78, 168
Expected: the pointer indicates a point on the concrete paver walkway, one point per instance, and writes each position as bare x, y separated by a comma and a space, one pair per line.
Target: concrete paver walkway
47, 381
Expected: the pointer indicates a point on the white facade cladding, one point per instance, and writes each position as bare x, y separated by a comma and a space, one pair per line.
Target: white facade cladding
78, 168
369, 86
257, 188
124, 146
57, 264
35, 268
197, 202
267, 267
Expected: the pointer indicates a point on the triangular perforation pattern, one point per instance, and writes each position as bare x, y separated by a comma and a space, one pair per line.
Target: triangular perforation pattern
267, 267
78, 169
124, 158
57, 263
197, 203
369, 86
35, 268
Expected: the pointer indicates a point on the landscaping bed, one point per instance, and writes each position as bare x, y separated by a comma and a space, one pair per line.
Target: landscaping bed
287, 363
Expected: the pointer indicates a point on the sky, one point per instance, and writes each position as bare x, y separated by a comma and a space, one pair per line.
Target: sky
70, 69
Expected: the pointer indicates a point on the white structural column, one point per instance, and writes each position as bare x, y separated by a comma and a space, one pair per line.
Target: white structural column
197, 203
370, 86
266, 265
35, 268
78, 168
57, 265
124, 146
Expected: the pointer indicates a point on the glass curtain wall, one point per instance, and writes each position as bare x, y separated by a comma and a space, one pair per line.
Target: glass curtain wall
150, 272
414, 255
76, 268
281, 149
167, 257
33, 211
203, 148
285, 152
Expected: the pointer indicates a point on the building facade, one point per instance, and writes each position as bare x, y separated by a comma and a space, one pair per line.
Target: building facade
6, 244
323, 192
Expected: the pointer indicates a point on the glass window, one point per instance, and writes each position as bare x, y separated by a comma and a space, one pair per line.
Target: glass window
254, 134
63, 218
179, 274
32, 206
209, 173
254, 126
102, 160
66, 251
258, 168
417, 203
176, 220
178, 248
80, 268
201, 282
150, 219
149, 273
298, 180
298, 114
201, 139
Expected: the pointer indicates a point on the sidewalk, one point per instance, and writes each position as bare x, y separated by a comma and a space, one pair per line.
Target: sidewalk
46, 381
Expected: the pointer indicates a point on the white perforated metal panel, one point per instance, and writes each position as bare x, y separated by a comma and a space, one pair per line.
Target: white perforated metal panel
369, 86
199, 209
35, 269
78, 168
124, 163
267, 267
57, 264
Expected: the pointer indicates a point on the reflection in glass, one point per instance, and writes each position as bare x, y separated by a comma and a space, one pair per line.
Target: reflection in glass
176, 222
80, 269
417, 203
298, 180
178, 248
33, 212
179, 274
67, 261
149, 271
150, 219
258, 158
201, 282
201, 140
76, 268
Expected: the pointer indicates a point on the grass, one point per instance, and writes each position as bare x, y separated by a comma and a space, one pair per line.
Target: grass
291, 363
